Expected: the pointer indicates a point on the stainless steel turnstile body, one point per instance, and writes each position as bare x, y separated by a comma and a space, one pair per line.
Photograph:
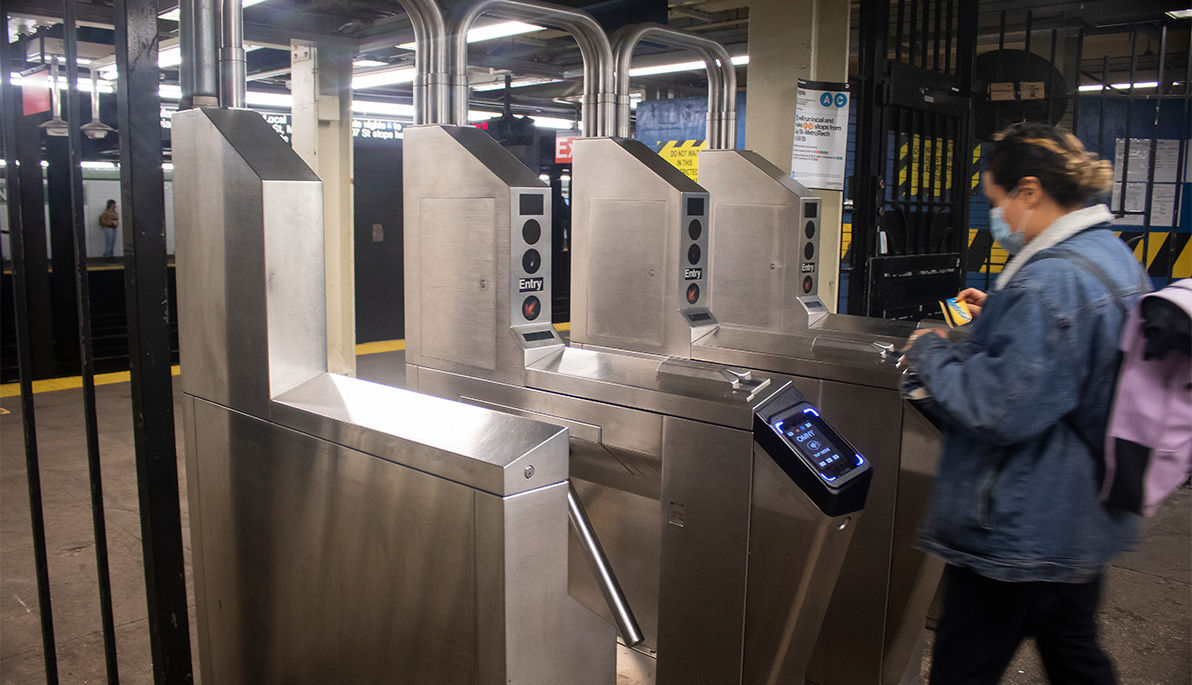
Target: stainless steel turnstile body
344, 531
764, 262
726, 560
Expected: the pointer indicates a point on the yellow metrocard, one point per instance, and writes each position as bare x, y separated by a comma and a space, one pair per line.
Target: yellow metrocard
956, 313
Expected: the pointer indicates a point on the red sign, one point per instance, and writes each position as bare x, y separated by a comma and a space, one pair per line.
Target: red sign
563, 148
35, 92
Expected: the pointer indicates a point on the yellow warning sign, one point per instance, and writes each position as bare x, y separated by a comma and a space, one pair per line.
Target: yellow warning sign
683, 155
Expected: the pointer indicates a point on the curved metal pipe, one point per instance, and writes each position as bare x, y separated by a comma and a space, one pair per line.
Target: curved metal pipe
722, 78
431, 82
233, 69
599, 106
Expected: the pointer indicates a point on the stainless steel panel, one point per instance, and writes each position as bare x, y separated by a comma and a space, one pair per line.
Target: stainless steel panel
615, 288
839, 357
795, 554
459, 286
706, 482
627, 300
486, 450
522, 571
758, 223
247, 208
195, 507
755, 265
331, 565
852, 639
914, 575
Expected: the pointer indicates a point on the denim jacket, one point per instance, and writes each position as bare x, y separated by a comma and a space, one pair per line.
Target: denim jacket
1022, 400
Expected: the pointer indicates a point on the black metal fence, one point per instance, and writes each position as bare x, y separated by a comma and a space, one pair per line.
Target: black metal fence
147, 294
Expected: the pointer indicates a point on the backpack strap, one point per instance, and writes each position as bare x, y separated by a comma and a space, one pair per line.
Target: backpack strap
1119, 299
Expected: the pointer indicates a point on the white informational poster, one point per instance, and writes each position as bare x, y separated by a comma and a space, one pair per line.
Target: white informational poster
821, 134
1164, 186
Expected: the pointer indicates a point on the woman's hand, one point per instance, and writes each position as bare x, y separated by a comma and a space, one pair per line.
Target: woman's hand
941, 332
975, 299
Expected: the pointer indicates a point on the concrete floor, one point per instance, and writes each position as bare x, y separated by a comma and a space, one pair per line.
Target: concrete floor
1146, 616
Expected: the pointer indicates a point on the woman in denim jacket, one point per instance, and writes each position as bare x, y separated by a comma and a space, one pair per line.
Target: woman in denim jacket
1015, 510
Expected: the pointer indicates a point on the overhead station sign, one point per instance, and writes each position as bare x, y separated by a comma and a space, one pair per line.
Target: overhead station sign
821, 134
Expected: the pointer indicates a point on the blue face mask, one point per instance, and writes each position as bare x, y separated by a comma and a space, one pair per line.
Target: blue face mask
1011, 241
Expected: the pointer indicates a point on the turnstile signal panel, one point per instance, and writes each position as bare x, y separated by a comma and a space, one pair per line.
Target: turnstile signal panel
822, 463
529, 258
693, 259
808, 238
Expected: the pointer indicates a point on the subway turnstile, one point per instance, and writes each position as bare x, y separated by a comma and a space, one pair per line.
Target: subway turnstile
724, 500
765, 257
344, 531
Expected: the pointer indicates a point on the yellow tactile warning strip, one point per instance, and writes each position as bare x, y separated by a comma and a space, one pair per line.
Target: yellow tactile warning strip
74, 382
71, 382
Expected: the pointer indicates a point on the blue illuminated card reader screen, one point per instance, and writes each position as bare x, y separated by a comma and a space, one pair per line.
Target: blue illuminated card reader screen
813, 439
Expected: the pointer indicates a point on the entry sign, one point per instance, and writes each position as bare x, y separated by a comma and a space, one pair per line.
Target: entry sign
821, 134
563, 148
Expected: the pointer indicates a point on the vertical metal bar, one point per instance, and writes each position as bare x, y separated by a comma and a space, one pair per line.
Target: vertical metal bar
1129, 124
1150, 176
1076, 82
1027, 49
142, 186
939, 31
922, 196
966, 53
1181, 162
948, 39
83, 299
871, 147
898, 31
1102, 95
9, 103
923, 35
912, 40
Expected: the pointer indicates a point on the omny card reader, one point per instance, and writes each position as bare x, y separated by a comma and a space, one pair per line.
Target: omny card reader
821, 462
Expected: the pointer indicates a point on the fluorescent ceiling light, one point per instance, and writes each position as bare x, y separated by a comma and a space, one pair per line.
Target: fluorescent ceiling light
1094, 87
1181, 14
542, 122
279, 100
520, 83
386, 77
491, 32
392, 109
682, 66
97, 165
176, 14
84, 85
367, 63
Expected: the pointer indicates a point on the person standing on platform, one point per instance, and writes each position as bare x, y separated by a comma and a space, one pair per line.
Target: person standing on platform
1015, 511
108, 221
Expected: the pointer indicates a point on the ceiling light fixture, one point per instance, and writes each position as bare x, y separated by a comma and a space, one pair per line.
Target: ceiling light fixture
520, 83
491, 32
1095, 87
1181, 14
384, 77
368, 63
681, 66
176, 14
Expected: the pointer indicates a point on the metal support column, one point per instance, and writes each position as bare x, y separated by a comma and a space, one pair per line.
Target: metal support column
142, 186
31, 196
9, 102
322, 120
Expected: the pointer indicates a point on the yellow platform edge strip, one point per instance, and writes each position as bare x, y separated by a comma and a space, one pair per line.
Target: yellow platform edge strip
75, 382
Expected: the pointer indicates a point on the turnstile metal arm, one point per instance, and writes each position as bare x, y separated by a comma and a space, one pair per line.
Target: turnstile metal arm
622, 614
